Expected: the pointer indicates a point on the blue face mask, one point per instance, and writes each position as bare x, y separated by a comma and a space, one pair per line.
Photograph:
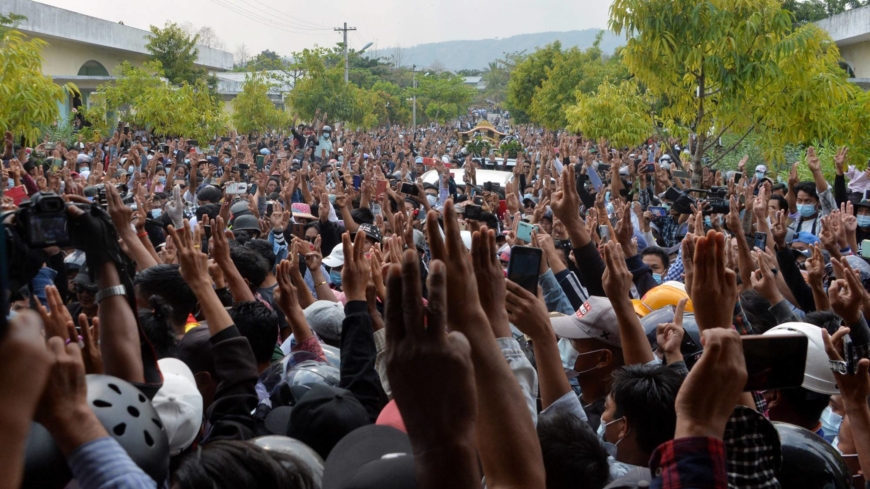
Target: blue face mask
806, 210
335, 277
10, 183
657, 277
759, 175
708, 222
607, 196
226, 160
162, 180
863, 221
187, 160
156, 213
831, 422
432, 200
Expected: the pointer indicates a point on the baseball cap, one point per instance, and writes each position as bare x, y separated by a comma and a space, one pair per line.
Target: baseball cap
324, 415
75, 260
179, 404
595, 319
325, 318
373, 456
336, 257
84, 278
194, 349
805, 237
761, 169
371, 231
302, 211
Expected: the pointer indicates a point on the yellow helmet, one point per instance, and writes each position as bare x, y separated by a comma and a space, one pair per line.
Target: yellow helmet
666, 294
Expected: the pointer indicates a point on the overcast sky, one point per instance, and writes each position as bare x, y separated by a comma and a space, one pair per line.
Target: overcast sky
287, 26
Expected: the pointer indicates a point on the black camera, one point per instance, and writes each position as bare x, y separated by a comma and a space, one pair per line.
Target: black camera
473, 212
717, 206
43, 220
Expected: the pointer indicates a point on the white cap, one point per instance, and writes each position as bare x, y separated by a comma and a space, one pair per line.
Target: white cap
83, 158
179, 404
336, 258
325, 318
817, 372
665, 165
761, 169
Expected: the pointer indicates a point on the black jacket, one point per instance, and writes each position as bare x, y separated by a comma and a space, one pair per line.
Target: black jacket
358, 352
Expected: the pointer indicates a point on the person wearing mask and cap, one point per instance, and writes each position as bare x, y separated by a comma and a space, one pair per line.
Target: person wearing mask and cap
85, 291
862, 214
808, 202
324, 144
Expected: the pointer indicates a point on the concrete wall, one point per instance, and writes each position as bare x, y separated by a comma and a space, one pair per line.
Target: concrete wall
45, 21
850, 27
64, 57
858, 57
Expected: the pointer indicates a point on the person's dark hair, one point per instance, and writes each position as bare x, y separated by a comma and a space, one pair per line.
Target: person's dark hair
572, 452
809, 188
251, 266
757, 311
240, 465
259, 325
824, 319
781, 202
645, 396
165, 282
263, 248
655, 250
806, 404
363, 215
156, 323
160, 196
210, 210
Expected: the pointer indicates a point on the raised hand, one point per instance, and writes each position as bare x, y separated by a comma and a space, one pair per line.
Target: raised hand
431, 373
56, 317
490, 284
193, 262
617, 280
714, 287
702, 411
846, 294
175, 207
669, 336
356, 273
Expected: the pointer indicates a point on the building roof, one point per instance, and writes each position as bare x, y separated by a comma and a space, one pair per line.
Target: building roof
47, 21
850, 27
232, 82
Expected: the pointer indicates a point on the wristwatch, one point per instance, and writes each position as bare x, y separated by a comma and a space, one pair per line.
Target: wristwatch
110, 292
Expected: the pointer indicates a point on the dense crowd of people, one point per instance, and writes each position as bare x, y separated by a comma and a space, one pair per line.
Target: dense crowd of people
331, 308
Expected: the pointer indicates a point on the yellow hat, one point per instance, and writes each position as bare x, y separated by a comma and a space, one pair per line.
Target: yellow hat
666, 294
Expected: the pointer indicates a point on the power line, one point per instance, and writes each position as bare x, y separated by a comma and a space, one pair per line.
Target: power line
292, 24
312, 24
268, 23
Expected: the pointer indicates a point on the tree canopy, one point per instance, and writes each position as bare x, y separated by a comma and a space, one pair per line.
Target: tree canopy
527, 77
253, 110
30, 99
176, 51
723, 66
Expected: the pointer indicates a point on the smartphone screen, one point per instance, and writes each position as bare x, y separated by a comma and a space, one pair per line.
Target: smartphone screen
774, 361
761, 241
524, 231
658, 211
357, 181
603, 232
524, 267
409, 189
737, 176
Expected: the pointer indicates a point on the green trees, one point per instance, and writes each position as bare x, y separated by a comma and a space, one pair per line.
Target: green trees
721, 67
140, 96
616, 112
527, 77
29, 98
443, 97
176, 51
253, 110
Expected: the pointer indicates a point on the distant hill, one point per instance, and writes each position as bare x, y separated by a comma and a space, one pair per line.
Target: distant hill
461, 55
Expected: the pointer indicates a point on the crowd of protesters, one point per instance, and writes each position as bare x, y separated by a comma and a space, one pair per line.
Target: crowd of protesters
332, 308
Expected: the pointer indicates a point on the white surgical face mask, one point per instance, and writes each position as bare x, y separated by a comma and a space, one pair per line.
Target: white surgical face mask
831, 422
611, 448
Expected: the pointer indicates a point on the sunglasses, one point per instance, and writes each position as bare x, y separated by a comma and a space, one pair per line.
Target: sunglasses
81, 289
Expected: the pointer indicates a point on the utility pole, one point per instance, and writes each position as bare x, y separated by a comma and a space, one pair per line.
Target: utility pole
346, 60
414, 84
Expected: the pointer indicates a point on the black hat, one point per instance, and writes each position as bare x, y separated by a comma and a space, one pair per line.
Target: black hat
371, 231
373, 456
324, 416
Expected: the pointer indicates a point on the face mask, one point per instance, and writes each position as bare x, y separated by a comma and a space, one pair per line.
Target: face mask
611, 448
187, 160
806, 210
226, 160
759, 175
156, 213
571, 373
566, 352
335, 277
326, 135
708, 222
607, 196
863, 221
657, 277
10, 183
162, 180
831, 422
432, 200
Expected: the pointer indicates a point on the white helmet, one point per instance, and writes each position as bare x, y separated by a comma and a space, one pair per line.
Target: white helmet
817, 373
466, 239
326, 129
